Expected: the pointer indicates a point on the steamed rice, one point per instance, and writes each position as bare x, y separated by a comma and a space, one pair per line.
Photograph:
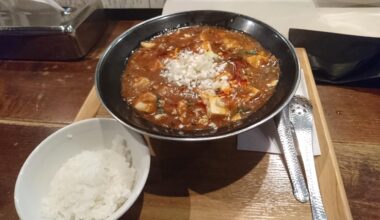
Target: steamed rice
91, 185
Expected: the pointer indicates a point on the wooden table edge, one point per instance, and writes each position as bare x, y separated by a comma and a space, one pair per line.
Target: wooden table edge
343, 209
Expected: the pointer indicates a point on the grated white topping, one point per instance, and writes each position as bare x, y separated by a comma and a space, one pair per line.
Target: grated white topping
195, 70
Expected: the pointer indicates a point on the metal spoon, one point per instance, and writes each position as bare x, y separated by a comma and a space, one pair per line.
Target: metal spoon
290, 155
301, 116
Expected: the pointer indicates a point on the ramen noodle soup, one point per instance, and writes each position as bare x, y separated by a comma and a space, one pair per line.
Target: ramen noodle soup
199, 77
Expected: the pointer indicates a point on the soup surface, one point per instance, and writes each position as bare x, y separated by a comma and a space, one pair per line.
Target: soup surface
199, 77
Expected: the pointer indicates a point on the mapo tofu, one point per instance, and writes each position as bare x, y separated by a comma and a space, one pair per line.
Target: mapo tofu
199, 77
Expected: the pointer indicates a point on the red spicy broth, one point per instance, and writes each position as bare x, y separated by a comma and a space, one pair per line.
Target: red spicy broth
199, 77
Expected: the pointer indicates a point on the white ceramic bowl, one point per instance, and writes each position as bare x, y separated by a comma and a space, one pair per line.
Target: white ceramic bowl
38, 170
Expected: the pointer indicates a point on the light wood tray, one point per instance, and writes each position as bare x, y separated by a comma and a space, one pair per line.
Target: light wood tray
213, 180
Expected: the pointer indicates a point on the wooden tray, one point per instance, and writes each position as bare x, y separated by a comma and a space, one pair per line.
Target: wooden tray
213, 180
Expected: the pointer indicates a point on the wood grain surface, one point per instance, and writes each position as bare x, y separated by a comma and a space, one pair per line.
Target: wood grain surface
353, 117
44, 93
207, 181
16, 143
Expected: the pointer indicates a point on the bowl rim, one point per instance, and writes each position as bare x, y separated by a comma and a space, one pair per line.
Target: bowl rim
108, 50
122, 209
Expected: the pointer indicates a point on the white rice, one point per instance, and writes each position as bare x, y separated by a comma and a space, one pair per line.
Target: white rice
91, 185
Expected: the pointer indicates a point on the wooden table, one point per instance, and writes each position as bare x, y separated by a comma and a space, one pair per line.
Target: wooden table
37, 98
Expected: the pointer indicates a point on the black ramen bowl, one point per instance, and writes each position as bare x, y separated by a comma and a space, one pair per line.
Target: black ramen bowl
112, 65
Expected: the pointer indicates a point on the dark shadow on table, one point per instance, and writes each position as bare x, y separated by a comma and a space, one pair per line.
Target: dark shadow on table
372, 91
364, 84
112, 31
103, 41
181, 167
135, 210
199, 166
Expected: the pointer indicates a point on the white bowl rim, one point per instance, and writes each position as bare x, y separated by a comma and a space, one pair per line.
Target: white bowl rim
122, 209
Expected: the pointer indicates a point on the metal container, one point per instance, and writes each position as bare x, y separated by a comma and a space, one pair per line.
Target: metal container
47, 34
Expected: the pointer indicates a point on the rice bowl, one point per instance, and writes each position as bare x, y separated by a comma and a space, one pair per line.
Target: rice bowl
89, 135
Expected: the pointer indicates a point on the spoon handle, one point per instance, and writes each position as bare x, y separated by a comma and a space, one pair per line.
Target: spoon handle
290, 154
302, 120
